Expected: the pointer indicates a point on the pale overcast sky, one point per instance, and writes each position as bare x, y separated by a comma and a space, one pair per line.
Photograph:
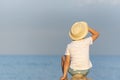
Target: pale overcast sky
42, 26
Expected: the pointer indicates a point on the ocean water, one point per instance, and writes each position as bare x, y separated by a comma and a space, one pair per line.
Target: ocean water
33, 67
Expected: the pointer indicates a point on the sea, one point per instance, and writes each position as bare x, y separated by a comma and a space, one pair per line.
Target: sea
48, 67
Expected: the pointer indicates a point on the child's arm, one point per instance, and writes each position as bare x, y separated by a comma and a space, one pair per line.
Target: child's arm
94, 33
66, 66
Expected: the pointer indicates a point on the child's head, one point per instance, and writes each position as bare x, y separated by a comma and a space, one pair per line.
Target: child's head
78, 30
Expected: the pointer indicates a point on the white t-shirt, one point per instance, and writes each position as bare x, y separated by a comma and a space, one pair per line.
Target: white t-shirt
79, 53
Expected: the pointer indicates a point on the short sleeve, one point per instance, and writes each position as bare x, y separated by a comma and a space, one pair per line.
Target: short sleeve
89, 40
67, 51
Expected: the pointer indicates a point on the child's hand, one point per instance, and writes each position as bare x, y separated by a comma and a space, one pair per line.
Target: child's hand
62, 78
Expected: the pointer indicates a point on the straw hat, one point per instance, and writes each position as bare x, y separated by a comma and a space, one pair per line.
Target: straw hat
78, 30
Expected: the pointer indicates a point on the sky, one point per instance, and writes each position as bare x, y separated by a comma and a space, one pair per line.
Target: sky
42, 26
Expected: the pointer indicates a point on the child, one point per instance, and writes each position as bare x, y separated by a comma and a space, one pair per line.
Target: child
76, 59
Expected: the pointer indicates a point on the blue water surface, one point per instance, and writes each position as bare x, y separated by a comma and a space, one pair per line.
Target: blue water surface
37, 67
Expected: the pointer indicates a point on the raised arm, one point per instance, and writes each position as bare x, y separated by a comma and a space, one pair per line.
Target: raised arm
94, 33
